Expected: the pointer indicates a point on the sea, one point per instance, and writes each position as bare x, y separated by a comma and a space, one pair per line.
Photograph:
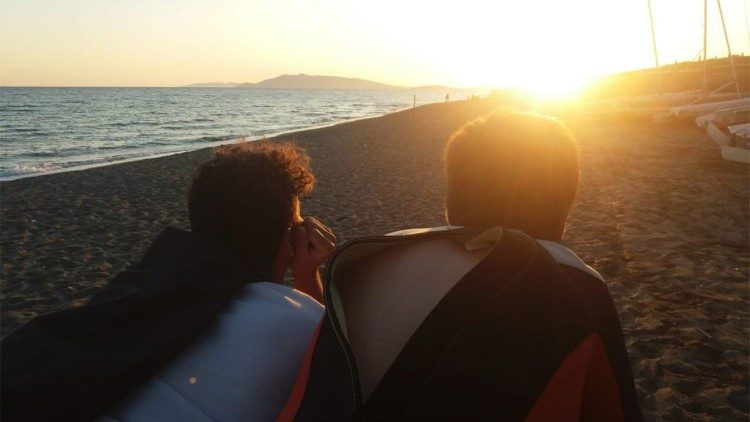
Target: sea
45, 130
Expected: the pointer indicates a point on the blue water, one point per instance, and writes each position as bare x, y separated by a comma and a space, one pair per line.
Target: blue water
53, 129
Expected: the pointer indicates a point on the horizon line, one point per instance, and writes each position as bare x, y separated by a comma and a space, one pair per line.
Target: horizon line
301, 89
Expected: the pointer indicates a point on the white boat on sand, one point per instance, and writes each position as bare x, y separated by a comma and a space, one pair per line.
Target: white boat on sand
717, 134
705, 108
704, 119
738, 147
726, 117
741, 131
741, 155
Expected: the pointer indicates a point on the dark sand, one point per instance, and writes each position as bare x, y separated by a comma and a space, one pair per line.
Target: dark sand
659, 214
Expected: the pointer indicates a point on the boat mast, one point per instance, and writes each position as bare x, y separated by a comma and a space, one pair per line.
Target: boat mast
653, 43
705, 51
729, 50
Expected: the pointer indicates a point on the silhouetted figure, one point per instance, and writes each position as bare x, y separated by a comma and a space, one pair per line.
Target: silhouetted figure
488, 319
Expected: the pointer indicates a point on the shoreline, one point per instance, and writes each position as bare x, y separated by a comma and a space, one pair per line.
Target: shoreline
211, 145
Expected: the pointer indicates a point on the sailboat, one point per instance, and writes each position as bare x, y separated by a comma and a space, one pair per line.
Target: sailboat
727, 116
721, 125
696, 110
693, 103
739, 144
702, 108
726, 120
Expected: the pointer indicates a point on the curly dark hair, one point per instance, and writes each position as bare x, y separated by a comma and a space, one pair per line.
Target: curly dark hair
246, 195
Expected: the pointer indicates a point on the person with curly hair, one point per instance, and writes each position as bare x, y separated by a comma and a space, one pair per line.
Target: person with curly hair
248, 197
202, 327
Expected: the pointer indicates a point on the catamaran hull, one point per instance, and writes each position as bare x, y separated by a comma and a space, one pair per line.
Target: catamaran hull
704, 119
698, 109
717, 134
741, 155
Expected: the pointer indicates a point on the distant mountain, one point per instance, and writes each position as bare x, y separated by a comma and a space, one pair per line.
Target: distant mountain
214, 85
303, 81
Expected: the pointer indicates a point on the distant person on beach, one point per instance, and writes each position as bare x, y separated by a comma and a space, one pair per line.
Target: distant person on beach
202, 326
490, 318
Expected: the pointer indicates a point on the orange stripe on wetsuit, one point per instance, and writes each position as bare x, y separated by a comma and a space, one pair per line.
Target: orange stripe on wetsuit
583, 388
300, 384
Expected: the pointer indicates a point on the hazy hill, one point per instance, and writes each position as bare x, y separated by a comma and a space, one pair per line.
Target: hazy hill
303, 81
214, 85
677, 77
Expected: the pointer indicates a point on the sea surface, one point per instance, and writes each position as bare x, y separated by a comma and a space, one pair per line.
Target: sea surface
46, 130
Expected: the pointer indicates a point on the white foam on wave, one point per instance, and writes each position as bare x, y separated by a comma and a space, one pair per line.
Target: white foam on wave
25, 171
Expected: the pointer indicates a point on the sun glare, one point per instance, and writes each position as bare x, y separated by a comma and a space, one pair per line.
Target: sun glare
559, 88
551, 55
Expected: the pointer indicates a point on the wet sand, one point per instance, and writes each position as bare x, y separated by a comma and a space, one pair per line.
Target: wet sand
659, 214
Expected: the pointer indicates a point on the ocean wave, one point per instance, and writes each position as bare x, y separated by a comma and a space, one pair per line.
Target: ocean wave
89, 149
190, 121
20, 107
209, 139
133, 124
35, 130
110, 147
42, 153
264, 132
20, 171
6, 173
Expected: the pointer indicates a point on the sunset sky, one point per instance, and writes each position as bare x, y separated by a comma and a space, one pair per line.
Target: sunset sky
460, 43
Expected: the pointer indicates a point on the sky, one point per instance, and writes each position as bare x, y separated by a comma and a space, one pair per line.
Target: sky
463, 43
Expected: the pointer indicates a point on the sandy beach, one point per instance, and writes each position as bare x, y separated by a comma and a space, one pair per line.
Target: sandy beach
659, 213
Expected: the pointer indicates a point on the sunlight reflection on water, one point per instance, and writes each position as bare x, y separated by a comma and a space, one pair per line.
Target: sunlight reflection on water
47, 129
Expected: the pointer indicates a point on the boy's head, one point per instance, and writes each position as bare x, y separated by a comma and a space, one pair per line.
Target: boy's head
247, 197
511, 169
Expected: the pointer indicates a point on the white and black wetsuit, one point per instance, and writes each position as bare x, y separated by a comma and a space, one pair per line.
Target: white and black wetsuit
242, 370
188, 324
529, 333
